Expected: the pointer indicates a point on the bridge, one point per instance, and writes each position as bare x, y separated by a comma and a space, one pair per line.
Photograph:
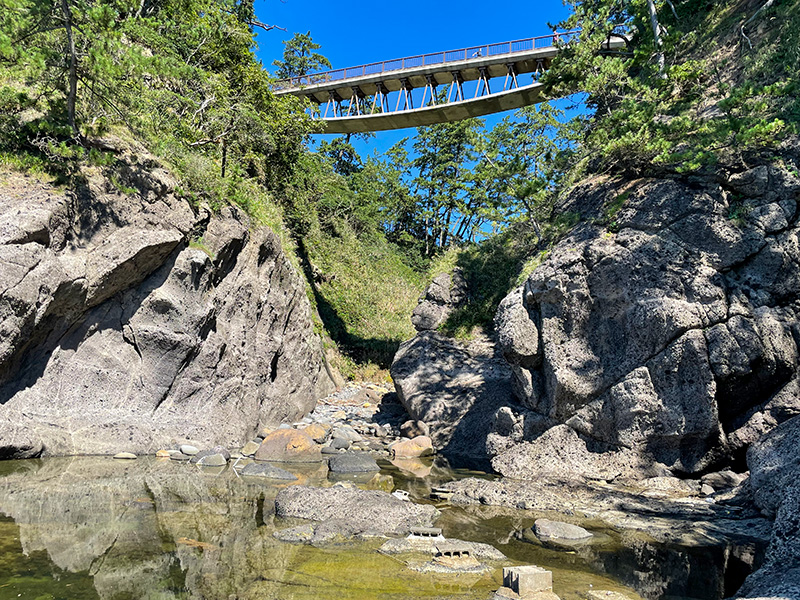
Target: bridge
405, 92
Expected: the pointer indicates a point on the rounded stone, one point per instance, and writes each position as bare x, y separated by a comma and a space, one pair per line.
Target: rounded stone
288, 445
559, 533
339, 444
414, 448
189, 450
125, 456
213, 460
353, 463
250, 448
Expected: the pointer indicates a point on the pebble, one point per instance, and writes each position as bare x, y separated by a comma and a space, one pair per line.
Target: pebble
125, 456
180, 457
162, 454
189, 450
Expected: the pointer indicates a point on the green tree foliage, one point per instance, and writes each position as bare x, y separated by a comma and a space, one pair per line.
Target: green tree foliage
299, 57
688, 90
464, 182
180, 74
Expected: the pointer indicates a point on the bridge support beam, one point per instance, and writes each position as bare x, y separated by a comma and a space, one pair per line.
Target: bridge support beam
458, 86
405, 95
357, 102
483, 83
334, 101
430, 84
512, 77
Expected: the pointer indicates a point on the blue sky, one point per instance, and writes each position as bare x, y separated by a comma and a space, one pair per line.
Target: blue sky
363, 32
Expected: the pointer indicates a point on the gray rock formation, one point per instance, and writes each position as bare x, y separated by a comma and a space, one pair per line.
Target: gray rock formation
116, 330
674, 335
454, 388
774, 463
445, 293
774, 470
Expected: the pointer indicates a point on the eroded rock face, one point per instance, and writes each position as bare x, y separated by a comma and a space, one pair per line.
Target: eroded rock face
675, 335
117, 333
774, 470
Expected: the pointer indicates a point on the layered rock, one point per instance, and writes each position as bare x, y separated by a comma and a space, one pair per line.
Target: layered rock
119, 333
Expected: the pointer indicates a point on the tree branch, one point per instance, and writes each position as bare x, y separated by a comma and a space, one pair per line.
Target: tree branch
255, 22
767, 4
214, 140
674, 12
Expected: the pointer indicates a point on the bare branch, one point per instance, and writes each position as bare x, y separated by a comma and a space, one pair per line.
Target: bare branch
674, 12
256, 23
203, 106
214, 140
767, 4
264, 26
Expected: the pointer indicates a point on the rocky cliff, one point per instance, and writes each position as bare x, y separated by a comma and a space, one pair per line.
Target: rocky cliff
659, 336
666, 325
130, 320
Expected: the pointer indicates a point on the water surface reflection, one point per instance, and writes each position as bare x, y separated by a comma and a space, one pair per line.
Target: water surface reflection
90, 527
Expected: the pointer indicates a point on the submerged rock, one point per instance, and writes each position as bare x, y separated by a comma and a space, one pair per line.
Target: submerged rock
428, 546
353, 463
560, 534
268, 471
354, 511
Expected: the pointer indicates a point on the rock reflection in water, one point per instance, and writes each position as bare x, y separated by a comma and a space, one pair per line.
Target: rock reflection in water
160, 529
95, 527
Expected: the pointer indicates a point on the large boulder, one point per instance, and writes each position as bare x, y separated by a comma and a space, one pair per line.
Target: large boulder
117, 328
352, 511
446, 292
453, 388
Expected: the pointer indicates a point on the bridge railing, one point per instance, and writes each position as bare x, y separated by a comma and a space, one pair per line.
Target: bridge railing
423, 60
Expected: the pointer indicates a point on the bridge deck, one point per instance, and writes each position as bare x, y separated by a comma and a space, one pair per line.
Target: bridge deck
342, 81
358, 97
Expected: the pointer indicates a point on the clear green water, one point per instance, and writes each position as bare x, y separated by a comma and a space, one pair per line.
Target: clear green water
80, 528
